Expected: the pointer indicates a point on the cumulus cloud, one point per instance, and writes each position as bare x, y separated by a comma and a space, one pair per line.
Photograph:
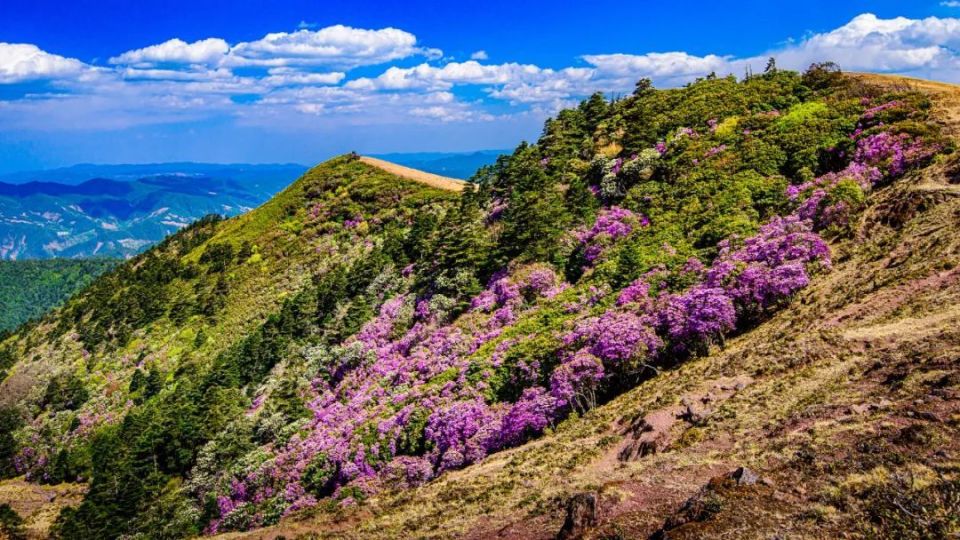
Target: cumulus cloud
666, 69
176, 51
334, 46
869, 43
338, 45
25, 62
154, 74
923, 47
479, 55
458, 73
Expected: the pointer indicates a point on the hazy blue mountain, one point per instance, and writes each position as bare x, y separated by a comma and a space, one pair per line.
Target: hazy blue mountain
121, 209
452, 164
255, 175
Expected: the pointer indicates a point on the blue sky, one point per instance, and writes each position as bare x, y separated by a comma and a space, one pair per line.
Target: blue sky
242, 81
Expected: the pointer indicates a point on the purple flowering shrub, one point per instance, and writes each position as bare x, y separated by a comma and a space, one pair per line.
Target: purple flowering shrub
616, 337
698, 315
406, 413
611, 225
649, 325
881, 151
760, 271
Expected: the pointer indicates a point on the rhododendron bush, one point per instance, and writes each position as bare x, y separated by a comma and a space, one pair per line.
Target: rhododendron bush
880, 152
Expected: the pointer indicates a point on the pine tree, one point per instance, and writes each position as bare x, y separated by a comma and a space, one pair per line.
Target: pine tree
535, 215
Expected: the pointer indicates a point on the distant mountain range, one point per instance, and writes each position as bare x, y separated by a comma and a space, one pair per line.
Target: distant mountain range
118, 210
255, 175
455, 165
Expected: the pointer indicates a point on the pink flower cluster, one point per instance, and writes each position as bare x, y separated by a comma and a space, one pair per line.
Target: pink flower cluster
747, 278
891, 152
769, 266
353, 222
876, 156
870, 113
611, 224
715, 150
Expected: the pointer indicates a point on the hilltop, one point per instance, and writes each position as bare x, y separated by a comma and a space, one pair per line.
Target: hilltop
722, 310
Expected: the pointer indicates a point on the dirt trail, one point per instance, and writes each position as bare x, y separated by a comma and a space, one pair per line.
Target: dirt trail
432, 180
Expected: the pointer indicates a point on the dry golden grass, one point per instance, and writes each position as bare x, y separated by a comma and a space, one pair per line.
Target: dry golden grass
430, 179
38, 504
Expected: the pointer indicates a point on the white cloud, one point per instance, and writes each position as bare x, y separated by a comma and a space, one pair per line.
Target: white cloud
950, 3
25, 62
338, 45
176, 51
292, 77
479, 55
447, 114
304, 25
868, 43
666, 66
154, 74
922, 47
454, 73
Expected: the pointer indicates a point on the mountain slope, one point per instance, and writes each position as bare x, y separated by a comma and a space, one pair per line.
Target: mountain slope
30, 288
846, 405
662, 289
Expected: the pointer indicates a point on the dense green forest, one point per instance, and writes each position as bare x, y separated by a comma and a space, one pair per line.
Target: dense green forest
29, 288
361, 332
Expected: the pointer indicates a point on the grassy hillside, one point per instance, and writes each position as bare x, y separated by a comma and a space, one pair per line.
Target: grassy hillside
29, 288
660, 290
